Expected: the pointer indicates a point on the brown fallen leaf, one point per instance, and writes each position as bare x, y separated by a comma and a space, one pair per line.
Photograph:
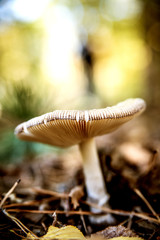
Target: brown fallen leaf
118, 238
114, 232
76, 194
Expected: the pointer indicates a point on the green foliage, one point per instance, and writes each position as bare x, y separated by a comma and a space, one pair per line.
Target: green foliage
21, 103
15, 150
12, 149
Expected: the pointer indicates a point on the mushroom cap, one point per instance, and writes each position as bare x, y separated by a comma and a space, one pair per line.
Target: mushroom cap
65, 128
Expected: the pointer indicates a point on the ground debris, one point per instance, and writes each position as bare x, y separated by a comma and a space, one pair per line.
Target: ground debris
115, 231
50, 187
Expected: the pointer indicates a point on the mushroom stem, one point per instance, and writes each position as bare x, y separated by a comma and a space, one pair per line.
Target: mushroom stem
95, 185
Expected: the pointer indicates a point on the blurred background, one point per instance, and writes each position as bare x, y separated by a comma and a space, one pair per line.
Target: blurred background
62, 54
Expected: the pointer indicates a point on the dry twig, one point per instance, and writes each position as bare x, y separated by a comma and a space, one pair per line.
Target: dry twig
137, 191
9, 192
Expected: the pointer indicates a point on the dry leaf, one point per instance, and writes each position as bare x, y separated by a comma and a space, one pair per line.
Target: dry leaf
116, 238
126, 238
114, 232
68, 232
75, 194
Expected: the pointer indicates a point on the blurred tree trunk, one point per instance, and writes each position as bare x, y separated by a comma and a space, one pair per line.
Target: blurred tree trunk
88, 62
151, 23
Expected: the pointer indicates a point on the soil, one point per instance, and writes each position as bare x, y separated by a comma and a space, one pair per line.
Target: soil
51, 191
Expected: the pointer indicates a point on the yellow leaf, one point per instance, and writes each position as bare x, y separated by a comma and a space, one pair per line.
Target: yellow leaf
68, 232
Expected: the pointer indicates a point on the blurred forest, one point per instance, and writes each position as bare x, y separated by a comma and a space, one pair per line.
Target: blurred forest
75, 54
80, 54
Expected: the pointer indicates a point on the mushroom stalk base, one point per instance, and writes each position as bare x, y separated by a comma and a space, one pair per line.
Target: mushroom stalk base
95, 185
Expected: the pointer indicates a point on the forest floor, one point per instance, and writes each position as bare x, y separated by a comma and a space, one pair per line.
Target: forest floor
51, 190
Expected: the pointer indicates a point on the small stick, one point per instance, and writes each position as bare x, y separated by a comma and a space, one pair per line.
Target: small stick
84, 224
54, 215
121, 212
19, 223
50, 211
104, 209
137, 191
49, 192
130, 221
29, 203
9, 192
14, 219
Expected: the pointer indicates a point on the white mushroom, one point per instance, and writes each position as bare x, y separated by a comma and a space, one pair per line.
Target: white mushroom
65, 128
